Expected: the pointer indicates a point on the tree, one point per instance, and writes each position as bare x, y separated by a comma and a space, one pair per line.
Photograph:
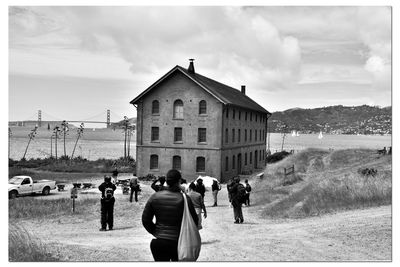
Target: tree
64, 130
79, 132
126, 127
9, 141
56, 132
31, 135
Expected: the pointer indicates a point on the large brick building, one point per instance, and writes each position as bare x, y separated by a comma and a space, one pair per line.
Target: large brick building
199, 126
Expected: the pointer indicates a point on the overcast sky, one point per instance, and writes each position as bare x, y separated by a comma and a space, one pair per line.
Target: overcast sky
77, 62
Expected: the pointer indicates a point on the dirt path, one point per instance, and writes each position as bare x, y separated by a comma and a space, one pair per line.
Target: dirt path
360, 235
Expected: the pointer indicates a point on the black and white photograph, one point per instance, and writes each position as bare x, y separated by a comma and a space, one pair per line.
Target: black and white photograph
208, 133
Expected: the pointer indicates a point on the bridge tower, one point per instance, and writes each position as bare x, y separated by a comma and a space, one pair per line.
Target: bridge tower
108, 118
39, 118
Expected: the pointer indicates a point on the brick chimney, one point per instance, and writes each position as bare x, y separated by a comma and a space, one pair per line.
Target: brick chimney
191, 66
243, 89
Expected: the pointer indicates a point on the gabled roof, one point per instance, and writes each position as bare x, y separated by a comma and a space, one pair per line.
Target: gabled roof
222, 92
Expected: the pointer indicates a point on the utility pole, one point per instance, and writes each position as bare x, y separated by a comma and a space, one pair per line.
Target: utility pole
31, 135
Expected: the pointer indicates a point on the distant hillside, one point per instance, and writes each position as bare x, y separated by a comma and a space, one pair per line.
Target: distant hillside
120, 124
335, 119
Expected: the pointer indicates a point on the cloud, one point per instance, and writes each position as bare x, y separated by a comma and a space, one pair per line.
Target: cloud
229, 41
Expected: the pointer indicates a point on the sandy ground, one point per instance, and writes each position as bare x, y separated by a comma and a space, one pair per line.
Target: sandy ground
358, 235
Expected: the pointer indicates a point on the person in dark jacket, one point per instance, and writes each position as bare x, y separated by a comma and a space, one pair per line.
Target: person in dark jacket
107, 201
237, 205
215, 187
248, 190
160, 186
200, 188
135, 188
167, 207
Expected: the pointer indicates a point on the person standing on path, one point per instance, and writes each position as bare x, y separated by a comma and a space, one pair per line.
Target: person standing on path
167, 208
248, 190
107, 201
198, 204
115, 175
236, 201
135, 188
200, 188
215, 187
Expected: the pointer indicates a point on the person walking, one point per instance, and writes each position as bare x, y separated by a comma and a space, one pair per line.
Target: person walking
135, 188
215, 187
236, 191
247, 186
107, 201
160, 186
115, 176
200, 188
198, 203
167, 208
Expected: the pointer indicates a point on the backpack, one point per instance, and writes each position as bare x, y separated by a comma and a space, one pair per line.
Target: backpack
241, 193
108, 193
248, 188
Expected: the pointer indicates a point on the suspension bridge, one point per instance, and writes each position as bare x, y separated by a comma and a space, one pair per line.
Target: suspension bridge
40, 118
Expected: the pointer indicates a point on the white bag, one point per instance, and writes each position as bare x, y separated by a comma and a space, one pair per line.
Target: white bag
189, 242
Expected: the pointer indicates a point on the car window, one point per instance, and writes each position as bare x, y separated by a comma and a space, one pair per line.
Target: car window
26, 181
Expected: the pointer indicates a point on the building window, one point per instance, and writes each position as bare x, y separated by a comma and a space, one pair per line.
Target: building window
245, 116
233, 135
178, 134
250, 135
202, 135
245, 158
202, 107
155, 107
255, 135
155, 134
245, 135
260, 135
200, 164
153, 162
233, 162
176, 163
178, 109
227, 113
238, 135
233, 114
226, 164
259, 157
263, 135
226, 136
251, 158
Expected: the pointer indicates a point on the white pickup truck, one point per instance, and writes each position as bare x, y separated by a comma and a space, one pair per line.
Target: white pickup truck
25, 185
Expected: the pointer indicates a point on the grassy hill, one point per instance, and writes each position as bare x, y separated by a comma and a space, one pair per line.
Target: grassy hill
334, 119
324, 182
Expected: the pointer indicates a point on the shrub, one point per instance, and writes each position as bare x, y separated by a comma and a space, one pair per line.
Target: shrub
277, 156
23, 247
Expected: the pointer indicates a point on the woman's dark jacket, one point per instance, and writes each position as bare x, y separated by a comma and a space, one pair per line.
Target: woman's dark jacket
167, 207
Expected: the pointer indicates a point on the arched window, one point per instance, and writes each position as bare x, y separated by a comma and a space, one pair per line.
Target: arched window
200, 164
202, 107
176, 163
153, 162
155, 107
178, 109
